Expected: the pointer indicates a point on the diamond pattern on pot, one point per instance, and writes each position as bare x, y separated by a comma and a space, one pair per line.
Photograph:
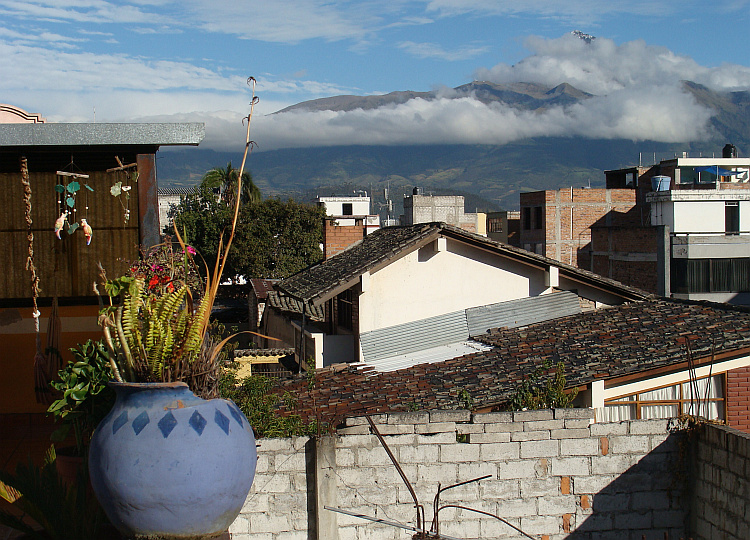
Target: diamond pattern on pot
197, 422
236, 414
167, 424
222, 421
119, 422
140, 422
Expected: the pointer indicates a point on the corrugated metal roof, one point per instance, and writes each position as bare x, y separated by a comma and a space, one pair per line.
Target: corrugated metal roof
522, 312
432, 355
414, 336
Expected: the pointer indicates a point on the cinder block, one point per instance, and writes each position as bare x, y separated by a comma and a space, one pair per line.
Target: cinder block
556, 505
396, 429
470, 429
530, 416
540, 487
579, 447
611, 464
592, 484
537, 525
530, 435
461, 415
568, 433
457, 453
503, 427
420, 417
534, 449
354, 430
426, 453
634, 520
629, 444
575, 413
648, 427
538, 425
572, 466
435, 427
507, 470
609, 428
516, 508
479, 438
578, 423
499, 451
492, 418
265, 523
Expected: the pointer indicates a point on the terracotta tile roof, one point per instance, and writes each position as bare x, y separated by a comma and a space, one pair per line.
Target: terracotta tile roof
323, 280
261, 287
606, 343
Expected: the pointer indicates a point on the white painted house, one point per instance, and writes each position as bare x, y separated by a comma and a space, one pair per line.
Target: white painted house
703, 207
403, 290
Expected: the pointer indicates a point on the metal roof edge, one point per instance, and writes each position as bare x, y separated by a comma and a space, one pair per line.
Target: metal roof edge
100, 134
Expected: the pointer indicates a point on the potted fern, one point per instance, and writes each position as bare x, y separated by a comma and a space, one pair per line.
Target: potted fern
171, 459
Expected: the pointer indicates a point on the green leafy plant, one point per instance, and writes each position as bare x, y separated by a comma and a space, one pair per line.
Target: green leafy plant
64, 512
542, 390
158, 331
85, 399
255, 397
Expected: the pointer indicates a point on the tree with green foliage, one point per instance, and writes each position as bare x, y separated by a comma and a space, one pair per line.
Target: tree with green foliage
274, 238
226, 180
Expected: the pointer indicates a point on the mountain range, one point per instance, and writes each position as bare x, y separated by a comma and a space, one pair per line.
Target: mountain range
489, 176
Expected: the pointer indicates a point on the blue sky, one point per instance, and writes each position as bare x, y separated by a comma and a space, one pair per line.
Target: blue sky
187, 60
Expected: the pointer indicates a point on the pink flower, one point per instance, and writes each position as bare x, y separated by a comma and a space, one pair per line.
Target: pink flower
191, 250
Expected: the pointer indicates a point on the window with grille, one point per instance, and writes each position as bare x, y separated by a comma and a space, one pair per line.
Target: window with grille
702, 397
345, 311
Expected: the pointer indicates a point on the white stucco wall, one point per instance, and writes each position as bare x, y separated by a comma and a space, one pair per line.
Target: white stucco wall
698, 211
426, 283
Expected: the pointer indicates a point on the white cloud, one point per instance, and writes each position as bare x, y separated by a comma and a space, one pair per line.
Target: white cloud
88, 11
602, 66
434, 50
573, 11
662, 114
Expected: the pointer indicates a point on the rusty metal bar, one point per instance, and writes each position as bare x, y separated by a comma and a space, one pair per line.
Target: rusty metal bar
419, 507
487, 514
389, 522
436, 502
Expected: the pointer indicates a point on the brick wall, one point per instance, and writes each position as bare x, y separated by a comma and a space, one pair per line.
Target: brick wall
720, 503
569, 215
627, 254
336, 238
738, 399
553, 473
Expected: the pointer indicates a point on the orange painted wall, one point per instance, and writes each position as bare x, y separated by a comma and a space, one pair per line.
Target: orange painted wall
18, 347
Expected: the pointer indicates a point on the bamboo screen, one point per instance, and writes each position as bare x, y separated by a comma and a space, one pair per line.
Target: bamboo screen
67, 267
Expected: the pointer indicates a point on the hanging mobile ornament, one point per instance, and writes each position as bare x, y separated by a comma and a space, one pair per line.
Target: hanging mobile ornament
67, 189
121, 188
87, 231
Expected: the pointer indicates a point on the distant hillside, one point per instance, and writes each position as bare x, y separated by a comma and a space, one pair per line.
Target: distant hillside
492, 175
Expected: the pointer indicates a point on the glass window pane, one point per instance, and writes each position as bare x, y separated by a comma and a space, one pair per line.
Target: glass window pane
616, 413
660, 411
662, 394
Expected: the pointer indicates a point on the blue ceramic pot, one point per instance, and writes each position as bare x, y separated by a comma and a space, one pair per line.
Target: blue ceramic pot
165, 463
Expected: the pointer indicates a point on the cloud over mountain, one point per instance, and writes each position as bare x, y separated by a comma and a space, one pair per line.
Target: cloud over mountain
637, 90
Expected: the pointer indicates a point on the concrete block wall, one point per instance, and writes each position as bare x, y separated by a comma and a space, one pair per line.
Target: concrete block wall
553, 473
721, 484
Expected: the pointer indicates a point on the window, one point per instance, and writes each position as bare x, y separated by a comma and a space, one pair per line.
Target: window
732, 217
710, 275
345, 313
702, 397
346, 209
538, 218
495, 225
526, 218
